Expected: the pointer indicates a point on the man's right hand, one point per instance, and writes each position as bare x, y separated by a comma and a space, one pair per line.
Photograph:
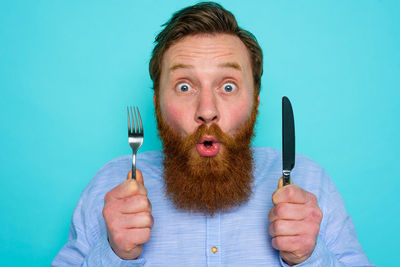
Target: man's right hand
127, 213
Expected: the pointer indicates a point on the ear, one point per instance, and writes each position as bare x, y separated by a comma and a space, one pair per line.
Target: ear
257, 102
154, 99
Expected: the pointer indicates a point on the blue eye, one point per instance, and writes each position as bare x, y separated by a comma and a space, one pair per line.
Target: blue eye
184, 87
229, 87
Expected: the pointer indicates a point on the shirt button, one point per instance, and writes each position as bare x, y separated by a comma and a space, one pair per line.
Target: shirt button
214, 250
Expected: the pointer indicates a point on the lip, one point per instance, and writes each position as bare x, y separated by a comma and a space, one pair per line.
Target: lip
208, 138
208, 151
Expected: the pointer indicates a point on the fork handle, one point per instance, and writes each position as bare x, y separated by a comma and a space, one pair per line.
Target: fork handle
134, 166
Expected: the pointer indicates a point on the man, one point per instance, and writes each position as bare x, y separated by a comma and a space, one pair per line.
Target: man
206, 199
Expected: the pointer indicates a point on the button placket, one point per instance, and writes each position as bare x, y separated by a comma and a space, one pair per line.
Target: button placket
213, 245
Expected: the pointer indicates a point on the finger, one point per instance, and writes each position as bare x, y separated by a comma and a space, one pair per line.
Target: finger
287, 228
286, 243
125, 189
124, 222
138, 236
139, 179
288, 211
134, 204
139, 176
136, 220
128, 239
280, 183
292, 194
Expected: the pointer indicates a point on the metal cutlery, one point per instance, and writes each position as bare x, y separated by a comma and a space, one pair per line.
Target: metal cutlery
288, 140
135, 135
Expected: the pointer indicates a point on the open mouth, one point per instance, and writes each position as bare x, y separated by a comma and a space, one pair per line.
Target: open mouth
208, 146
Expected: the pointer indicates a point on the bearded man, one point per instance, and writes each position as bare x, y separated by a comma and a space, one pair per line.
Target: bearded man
205, 200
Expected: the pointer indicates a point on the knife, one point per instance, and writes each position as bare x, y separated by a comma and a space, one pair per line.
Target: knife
288, 140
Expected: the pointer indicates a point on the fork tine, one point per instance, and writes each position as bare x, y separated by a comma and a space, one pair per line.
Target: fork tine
129, 120
140, 121
136, 121
133, 120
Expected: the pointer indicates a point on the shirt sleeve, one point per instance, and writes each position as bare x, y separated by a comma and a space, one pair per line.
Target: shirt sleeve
337, 243
87, 243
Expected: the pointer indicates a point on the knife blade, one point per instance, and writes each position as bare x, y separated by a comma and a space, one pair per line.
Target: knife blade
288, 140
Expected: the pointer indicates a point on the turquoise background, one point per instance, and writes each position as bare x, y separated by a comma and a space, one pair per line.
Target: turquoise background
68, 69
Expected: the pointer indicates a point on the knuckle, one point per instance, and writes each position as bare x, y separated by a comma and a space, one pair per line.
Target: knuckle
147, 205
143, 189
298, 247
279, 242
271, 230
144, 202
299, 253
274, 200
271, 214
313, 198
148, 219
126, 247
315, 232
107, 210
291, 192
119, 239
145, 234
107, 197
151, 221
125, 201
309, 243
112, 225
315, 213
279, 225
280, 210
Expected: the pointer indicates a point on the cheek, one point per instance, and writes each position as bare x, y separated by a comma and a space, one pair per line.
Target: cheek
238, 115
173, 115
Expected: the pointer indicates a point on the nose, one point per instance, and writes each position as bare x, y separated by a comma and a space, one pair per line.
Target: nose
207, 111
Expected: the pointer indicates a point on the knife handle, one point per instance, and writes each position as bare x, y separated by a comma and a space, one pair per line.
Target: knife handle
282, 184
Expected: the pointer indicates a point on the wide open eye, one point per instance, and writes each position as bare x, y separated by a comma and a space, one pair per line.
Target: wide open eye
184, 87
229, 87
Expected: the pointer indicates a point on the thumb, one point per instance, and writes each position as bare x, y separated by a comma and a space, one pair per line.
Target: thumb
280, 183
139, 176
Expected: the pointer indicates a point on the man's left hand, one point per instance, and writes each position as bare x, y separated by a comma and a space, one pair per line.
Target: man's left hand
294, 223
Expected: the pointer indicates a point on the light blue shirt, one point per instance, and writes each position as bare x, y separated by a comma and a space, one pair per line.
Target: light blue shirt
236, 238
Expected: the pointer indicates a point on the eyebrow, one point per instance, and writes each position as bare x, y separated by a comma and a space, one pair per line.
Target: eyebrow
232, 65
180, 66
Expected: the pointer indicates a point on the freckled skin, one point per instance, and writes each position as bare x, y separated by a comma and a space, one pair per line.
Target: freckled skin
204, 57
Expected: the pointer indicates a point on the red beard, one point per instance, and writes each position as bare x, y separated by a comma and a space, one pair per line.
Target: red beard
207, 184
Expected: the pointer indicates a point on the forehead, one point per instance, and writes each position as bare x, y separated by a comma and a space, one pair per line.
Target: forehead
209, 49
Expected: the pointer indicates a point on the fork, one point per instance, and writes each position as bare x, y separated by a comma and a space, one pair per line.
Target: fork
135, 135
